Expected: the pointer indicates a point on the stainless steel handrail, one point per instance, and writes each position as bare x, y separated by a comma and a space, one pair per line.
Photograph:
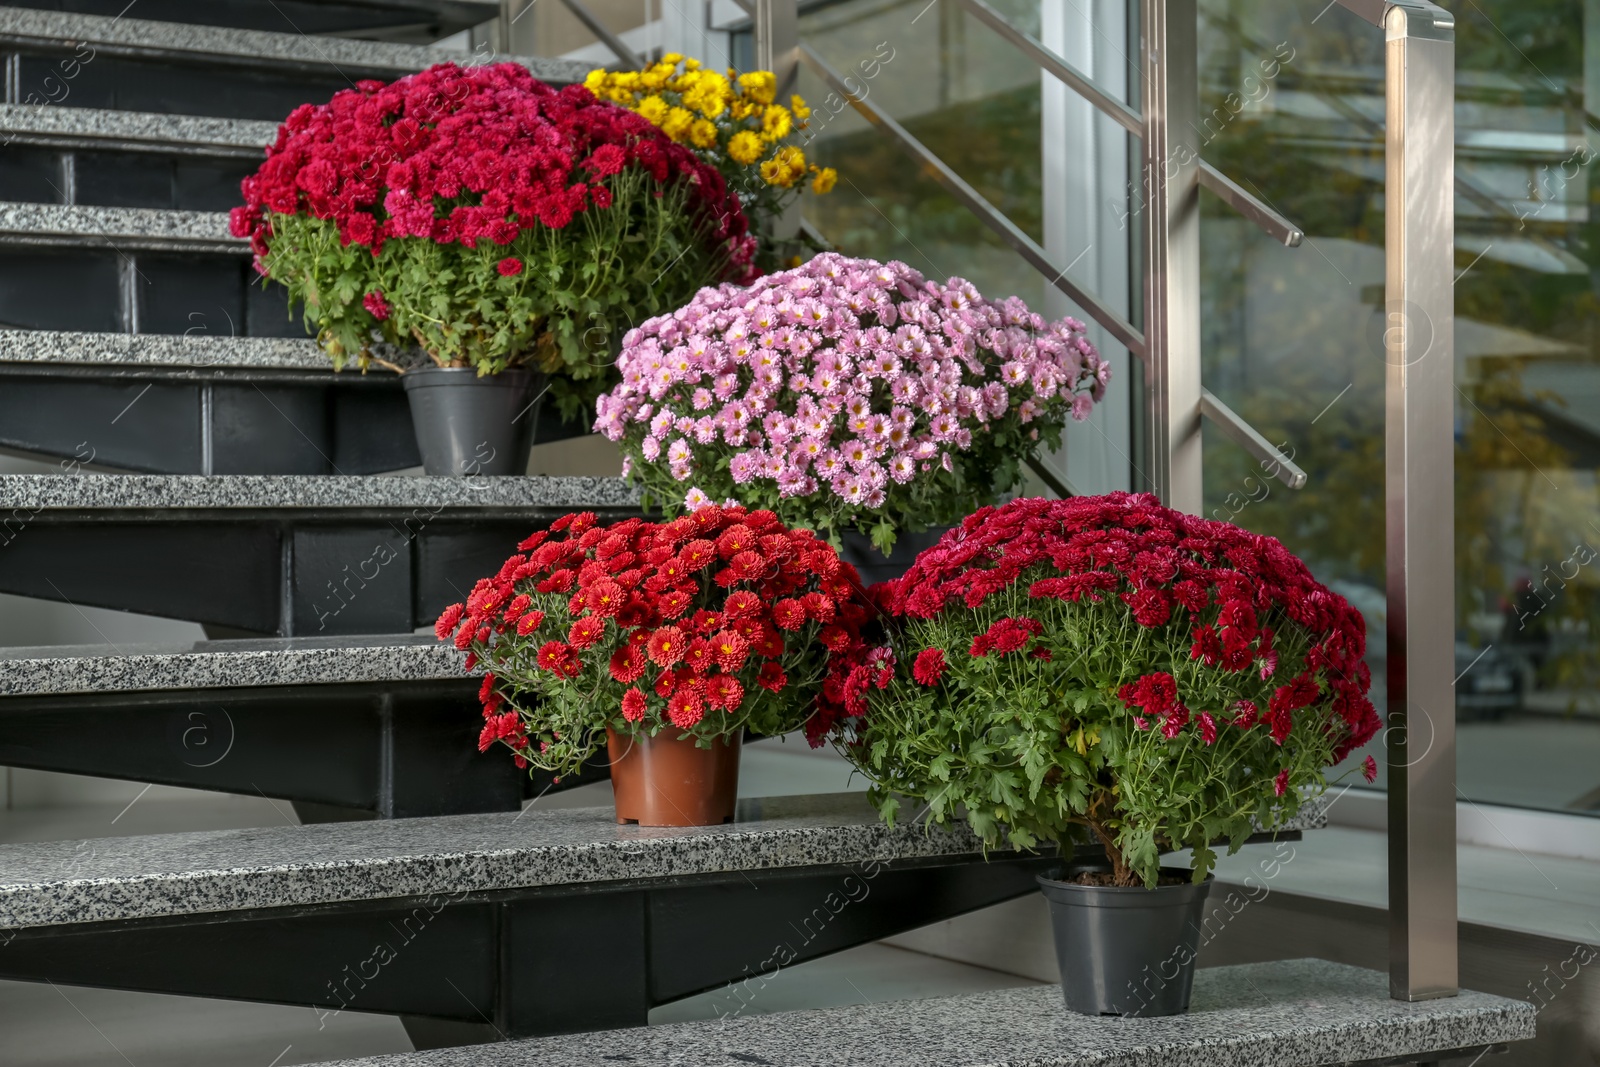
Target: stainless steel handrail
1232, 194
1025, 246
618, 46
1250, 439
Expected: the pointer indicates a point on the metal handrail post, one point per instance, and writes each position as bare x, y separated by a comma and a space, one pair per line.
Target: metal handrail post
777, 39
1170, 188
1419, 488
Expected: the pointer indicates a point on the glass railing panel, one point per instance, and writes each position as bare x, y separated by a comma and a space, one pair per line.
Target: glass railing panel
1293, 342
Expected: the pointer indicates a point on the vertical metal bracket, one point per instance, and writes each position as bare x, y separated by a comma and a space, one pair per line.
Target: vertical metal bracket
777, 41
1170, 189
1419, 496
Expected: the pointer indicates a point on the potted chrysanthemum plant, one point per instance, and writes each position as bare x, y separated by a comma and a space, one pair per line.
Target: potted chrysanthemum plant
1108, 671
662, 643
484, 233
736, 123
849, 395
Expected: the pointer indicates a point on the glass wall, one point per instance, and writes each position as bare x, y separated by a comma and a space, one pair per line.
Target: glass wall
1292, 109
1293, 103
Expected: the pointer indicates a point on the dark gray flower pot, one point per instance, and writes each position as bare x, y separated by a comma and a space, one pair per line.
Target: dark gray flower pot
857, 549
467, 425
1126, 951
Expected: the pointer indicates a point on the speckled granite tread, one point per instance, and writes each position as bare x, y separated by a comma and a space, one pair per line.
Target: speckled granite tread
64, 882
234, 137
1291, 1013
116, 227
196, 351
124, 35
195, 873
226, 664
303, 492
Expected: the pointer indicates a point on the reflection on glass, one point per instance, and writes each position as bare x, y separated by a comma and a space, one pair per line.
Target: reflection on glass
960, 90
1293, 109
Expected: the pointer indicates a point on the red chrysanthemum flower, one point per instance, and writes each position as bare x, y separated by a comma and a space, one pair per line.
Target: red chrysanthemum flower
673, 603
735, 539
604, 597
929, 666
698, 554
448, 620
559, 659
730, 650
685, 708
1369, 769
586, 631
667, 646
819, 608
699, 656
509, 267
741, 604
633, 705
725, 692
772, 677
789, 614
627, 664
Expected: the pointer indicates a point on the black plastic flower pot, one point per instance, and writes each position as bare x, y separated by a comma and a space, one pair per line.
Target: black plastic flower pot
1126, 951
467, 425
874, 566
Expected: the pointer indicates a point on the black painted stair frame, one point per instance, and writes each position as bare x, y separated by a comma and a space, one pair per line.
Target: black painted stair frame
480, 967
73, 60
385, 750
302, 570
377, 19
105, 158
143, 339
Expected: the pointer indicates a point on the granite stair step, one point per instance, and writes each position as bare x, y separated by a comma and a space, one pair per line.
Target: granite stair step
133, 270
1287, 1013
547, 921
285, 555
209, 403
104, 158
380, 19
128, 64
355, 727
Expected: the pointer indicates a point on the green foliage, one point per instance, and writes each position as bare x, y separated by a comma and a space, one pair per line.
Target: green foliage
1028, 751
580, 288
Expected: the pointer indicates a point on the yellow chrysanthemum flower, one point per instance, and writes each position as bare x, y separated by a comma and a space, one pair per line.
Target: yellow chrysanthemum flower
595, 81
743, 109
772, 172
776, 122
797, 104
671, 59
653, 108
745, 147
676, 124
791, 157
823, 180
703, 134
760, 86
653, 80
709, 94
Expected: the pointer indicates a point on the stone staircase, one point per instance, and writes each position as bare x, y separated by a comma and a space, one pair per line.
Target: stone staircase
210, 467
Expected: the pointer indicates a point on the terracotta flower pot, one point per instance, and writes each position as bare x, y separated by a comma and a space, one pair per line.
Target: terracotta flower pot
662, 781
